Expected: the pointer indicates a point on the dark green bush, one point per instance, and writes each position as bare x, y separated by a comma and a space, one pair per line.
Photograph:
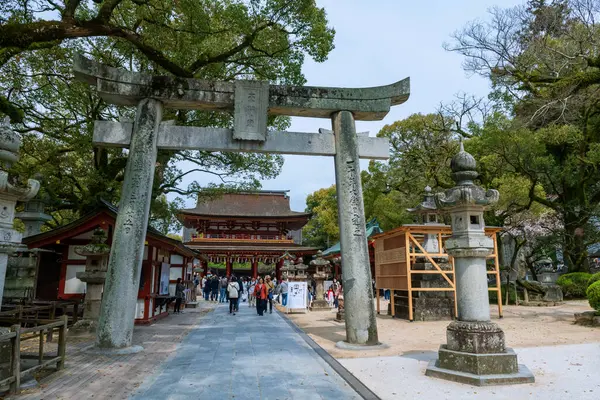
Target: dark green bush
594, 278
593, 295
574, 284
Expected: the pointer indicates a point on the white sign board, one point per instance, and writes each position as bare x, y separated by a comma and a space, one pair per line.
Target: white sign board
165, 272
297, 295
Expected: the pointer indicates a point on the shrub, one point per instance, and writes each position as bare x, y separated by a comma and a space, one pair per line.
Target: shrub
593, 295
594, 278
574, 284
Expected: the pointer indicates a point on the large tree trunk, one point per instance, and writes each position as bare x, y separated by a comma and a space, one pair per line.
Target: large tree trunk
574, 250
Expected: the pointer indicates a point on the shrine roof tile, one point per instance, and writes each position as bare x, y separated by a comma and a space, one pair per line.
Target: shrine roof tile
267, 204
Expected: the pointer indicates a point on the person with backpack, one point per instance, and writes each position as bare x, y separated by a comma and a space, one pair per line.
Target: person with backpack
233, 292
223, 289
284, 292
270, 293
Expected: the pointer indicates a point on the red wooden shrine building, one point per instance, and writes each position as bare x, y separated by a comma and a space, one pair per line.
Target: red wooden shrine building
249, 227
165, 260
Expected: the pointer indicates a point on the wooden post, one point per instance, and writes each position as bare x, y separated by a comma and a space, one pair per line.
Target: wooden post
52, 316
75, 312
62, 343
392, 304
254, 269
377, 293
408, 275
41, 348
16, 360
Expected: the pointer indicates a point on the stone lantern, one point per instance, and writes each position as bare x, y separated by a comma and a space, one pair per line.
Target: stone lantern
475, 352
96, 265
427, 214
288, 269
10, 192
301, 270
322, 271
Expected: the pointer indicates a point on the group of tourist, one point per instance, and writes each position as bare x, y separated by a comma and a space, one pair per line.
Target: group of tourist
259, 292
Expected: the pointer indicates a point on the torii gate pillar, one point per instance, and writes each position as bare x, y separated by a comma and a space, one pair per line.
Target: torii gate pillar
361, 324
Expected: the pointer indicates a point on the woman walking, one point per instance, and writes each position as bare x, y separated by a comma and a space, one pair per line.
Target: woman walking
179, 295
251, 298
233, 290
260, 292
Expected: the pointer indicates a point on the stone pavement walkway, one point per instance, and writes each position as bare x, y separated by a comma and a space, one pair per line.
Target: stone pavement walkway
92, 376
244, 357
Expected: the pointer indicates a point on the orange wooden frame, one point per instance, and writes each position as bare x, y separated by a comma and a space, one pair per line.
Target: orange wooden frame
396, 252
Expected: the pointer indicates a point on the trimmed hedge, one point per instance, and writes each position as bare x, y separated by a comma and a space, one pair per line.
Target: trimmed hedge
594, 278
574, 284
593, 295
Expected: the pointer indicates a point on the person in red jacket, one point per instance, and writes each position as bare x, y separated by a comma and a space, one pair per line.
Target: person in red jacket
260, 292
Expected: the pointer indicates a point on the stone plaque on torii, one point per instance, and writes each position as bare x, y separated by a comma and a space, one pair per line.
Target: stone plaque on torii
251, 102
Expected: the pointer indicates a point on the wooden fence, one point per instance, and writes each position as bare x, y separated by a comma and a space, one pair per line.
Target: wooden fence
19, 334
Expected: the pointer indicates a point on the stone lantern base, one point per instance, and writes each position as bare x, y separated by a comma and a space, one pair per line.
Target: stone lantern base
476, 354
320, 305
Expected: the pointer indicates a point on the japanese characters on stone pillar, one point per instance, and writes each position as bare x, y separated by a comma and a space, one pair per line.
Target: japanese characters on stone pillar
10, 192
250, 110
475, 352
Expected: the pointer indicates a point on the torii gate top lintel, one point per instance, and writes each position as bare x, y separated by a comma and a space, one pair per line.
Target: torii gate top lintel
122, 87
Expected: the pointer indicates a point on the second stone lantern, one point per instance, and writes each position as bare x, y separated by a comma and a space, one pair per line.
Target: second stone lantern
322, 271
475, 352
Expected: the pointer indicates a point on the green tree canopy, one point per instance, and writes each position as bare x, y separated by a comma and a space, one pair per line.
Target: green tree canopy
207, 39
542, 60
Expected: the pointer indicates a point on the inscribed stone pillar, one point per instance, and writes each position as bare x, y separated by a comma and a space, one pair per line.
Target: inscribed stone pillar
361, 325
115, 326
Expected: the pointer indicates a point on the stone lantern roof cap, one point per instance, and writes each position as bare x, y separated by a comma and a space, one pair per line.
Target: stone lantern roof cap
464, 167
465, 192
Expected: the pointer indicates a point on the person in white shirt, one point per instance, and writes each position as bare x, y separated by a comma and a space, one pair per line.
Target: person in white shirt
233, 291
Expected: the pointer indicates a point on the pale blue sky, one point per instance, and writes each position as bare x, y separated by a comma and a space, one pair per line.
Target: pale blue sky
379, 42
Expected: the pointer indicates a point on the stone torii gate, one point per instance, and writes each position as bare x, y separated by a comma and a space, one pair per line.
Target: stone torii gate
250, 101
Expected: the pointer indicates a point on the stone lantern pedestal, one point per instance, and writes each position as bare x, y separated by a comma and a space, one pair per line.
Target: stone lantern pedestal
10, 239
475, 352
96, 265
320, 275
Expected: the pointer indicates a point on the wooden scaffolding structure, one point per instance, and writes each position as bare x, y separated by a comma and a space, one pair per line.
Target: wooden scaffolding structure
396, 252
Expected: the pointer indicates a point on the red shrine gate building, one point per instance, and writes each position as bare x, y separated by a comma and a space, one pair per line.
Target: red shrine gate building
247, 227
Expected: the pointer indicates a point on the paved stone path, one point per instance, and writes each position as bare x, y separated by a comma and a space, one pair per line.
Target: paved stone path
92, 376
244, 357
